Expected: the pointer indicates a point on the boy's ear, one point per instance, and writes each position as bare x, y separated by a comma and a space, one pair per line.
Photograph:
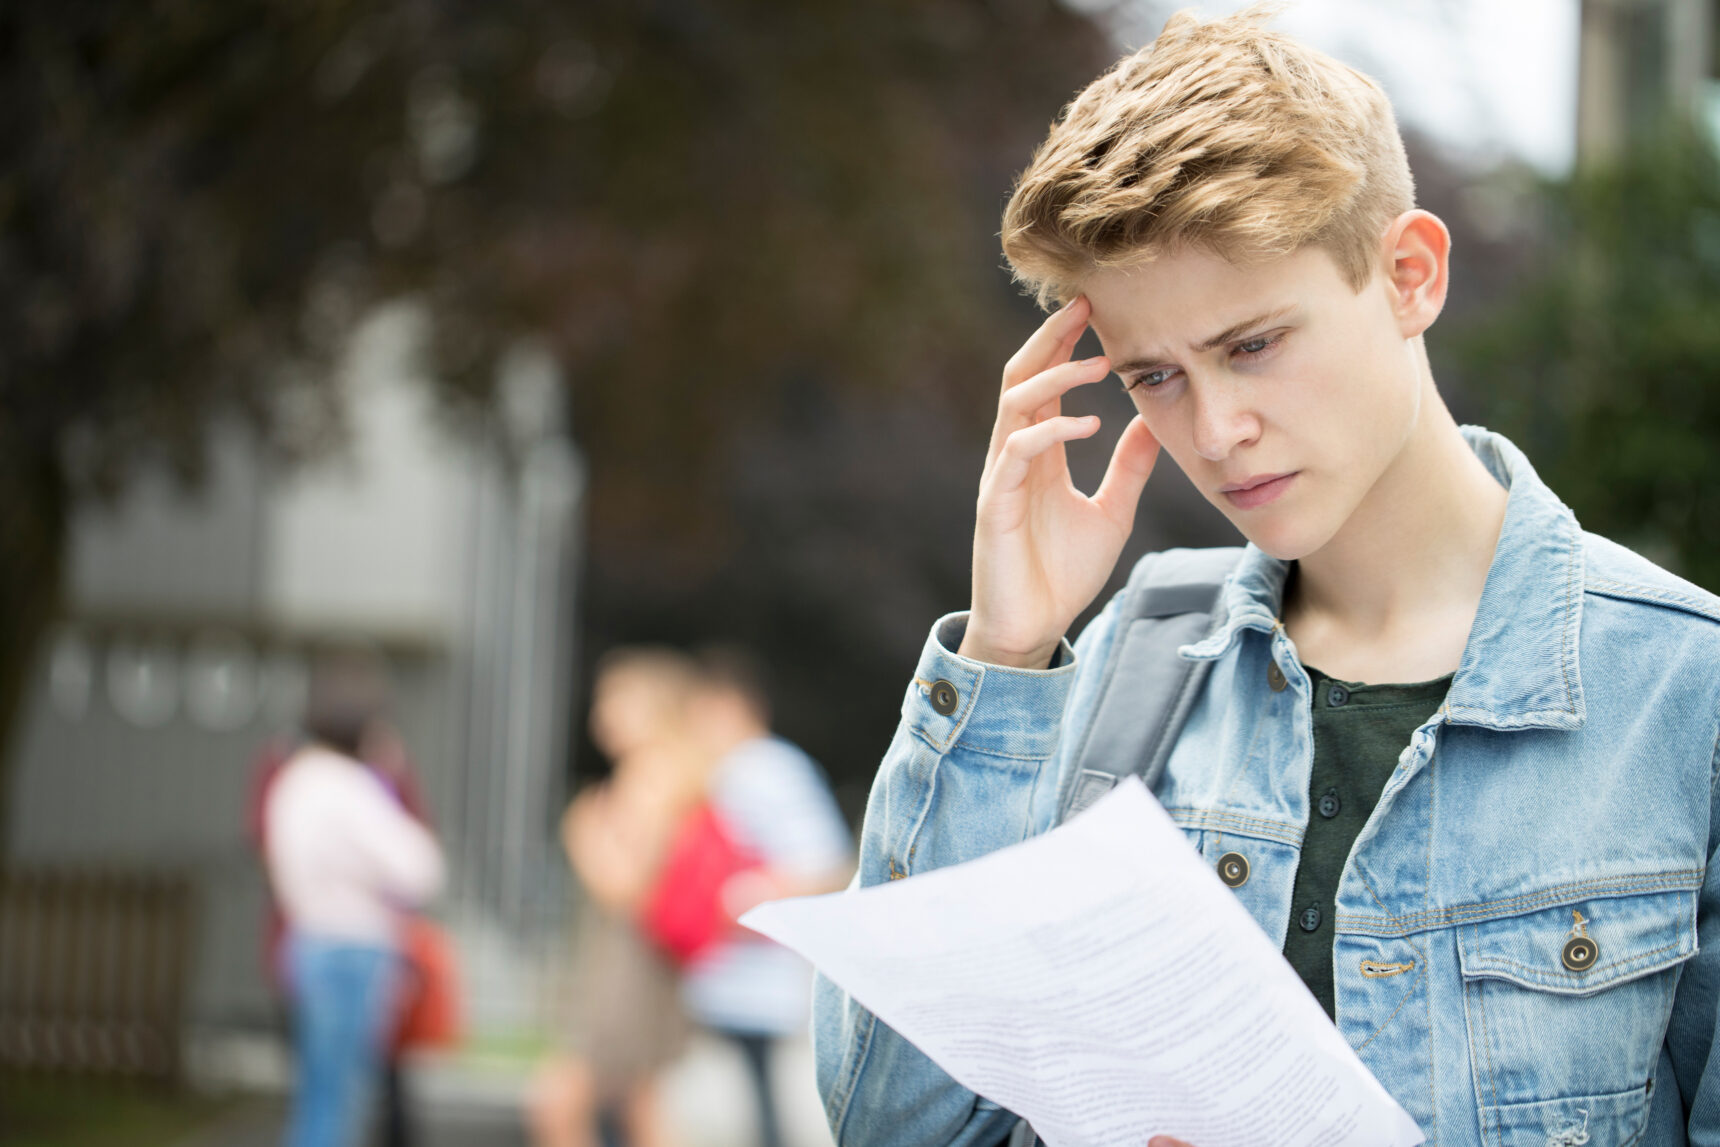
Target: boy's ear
1416, 254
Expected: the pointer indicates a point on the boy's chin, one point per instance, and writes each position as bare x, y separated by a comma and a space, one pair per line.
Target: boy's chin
1286, 539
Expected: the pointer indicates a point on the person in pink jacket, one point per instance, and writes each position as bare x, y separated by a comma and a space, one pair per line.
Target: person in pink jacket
345, 860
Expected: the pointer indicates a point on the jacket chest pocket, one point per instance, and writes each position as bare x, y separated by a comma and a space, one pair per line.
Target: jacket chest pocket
1566, 1011
1260, 870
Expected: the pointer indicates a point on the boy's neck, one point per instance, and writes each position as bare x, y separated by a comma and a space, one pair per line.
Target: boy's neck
1392, 597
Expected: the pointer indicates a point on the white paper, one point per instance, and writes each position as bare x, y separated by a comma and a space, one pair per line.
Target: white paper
1101, 981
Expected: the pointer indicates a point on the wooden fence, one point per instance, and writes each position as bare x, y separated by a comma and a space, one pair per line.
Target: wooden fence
93, 971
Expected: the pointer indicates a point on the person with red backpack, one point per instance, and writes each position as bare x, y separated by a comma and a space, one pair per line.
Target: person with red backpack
786, 838
621, 1020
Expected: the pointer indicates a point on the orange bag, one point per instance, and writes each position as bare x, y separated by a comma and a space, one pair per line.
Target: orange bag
429, 989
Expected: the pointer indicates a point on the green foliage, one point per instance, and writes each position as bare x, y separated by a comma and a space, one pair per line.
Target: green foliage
1606, 368
69, 1111
695, 201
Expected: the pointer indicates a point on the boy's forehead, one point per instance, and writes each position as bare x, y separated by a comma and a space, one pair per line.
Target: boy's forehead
1195, 297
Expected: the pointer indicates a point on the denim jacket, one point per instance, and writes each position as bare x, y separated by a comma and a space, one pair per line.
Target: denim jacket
1564, 791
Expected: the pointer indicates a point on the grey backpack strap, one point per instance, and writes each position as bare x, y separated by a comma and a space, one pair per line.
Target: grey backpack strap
1173, 599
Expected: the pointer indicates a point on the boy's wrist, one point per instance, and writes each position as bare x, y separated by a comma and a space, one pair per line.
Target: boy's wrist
977, 644
1039, 657
1019, 714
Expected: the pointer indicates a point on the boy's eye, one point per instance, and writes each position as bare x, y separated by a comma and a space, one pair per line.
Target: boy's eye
1259, 344
1152, 379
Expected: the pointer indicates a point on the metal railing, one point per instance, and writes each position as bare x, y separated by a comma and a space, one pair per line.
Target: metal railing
93, 970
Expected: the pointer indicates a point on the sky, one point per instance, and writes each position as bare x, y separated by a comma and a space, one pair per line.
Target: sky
1489, 79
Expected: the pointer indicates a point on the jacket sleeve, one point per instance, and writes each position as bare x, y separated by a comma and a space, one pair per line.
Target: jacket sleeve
404, 861
973, 767
1690, 1037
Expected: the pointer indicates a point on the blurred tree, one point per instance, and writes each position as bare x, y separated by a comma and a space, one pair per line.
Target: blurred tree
1606, 367
723, 214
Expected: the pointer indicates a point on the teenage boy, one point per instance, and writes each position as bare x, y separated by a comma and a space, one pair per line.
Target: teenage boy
1455, 754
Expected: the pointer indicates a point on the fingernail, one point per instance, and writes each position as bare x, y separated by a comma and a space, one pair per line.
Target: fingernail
1094, 361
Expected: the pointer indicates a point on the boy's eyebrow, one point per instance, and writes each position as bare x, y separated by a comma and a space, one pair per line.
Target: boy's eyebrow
1230, 333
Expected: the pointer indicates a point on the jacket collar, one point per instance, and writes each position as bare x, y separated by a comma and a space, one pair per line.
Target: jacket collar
1519, 667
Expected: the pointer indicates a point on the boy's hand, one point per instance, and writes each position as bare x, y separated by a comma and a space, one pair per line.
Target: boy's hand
1042, 549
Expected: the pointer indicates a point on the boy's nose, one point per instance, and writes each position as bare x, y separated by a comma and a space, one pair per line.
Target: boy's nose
1223, 421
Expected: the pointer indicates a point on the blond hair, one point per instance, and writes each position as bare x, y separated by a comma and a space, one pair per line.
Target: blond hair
1219, 134
667, 675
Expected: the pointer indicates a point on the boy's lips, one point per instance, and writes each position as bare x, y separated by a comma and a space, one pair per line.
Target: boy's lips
1257, 490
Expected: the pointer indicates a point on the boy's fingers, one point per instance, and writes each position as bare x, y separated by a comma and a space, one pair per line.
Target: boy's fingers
1023, 446
1021, 405
1052, 343
1131, 465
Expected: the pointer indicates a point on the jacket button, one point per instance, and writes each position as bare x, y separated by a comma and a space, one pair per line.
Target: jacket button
1329, 804
1233, 869
1275, 677
944, 697
1310, 918
1580, 953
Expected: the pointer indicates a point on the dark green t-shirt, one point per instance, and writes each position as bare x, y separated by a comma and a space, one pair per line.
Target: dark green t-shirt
1359, 732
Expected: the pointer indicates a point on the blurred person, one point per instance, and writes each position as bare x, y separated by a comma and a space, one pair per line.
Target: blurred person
774, 799
266, 765
345, 860
384, 751
623, 1021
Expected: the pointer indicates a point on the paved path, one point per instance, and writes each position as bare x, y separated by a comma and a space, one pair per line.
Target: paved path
707, 1095
260, 1124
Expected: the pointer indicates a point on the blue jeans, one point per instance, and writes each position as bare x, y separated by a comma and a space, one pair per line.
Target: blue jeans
343, 1000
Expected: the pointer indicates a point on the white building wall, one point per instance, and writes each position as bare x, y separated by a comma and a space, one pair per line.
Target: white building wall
457, 564
375, 538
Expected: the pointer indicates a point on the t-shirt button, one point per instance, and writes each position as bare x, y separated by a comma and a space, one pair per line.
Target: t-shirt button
1330, 804
1310, 918
1275, 677
1233, 869
1337, 695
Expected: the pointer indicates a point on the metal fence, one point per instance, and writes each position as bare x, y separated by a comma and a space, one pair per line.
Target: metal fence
93, 971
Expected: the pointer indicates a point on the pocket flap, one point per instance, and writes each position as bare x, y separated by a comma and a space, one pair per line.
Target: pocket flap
1628, 936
